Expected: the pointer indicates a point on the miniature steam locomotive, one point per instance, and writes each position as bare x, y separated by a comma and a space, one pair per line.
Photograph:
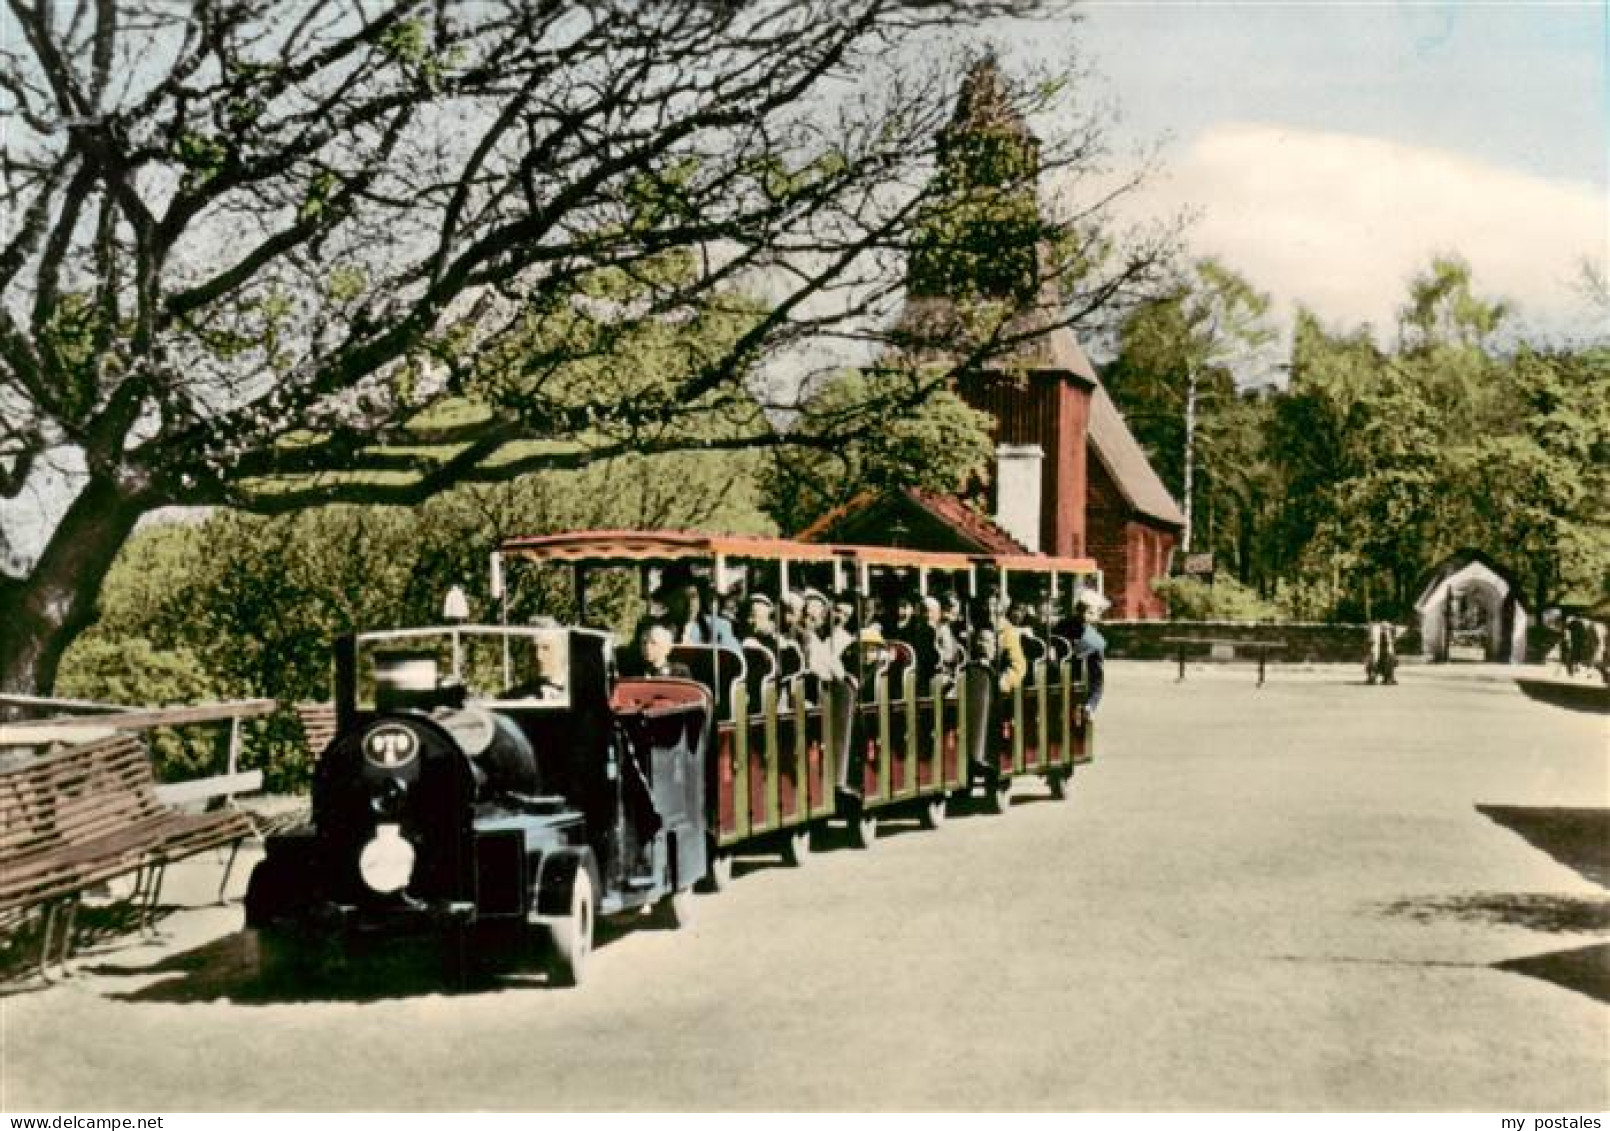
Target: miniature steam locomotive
483, 818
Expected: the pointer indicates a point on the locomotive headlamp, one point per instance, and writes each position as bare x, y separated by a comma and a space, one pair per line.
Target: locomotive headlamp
387, 861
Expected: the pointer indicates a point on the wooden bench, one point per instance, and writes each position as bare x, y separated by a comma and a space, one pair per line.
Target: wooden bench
83, 816
318, 725
1225, 648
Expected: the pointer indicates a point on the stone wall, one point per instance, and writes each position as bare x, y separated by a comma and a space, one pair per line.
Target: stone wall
1305, 643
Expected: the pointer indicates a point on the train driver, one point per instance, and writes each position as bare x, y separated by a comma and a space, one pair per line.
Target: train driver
550, 670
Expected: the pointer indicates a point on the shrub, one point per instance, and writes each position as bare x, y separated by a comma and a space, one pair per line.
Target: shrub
1225, 600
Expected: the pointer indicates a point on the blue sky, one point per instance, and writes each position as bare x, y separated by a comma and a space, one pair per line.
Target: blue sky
1330, 149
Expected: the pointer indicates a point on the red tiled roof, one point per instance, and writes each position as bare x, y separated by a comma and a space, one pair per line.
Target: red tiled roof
818, 530
967, 522
979, 533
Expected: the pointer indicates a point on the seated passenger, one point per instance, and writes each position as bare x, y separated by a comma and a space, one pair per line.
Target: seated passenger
944, 654
903, 624
760, 623
820, 658
1012, 665
1089, 647
841, 625
652, 656
956, 620
683, 597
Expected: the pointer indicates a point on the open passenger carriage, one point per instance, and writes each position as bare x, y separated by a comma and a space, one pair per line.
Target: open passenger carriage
887, 729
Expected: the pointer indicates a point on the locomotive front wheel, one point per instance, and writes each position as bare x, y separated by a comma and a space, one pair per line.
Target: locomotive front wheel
797, 846
572, 936
933, 812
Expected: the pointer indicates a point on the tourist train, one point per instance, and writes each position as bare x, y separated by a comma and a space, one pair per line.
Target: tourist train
499, 788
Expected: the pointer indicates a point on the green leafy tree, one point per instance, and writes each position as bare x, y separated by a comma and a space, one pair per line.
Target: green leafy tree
1541, 491
1389, 459
937, 443
1182, 357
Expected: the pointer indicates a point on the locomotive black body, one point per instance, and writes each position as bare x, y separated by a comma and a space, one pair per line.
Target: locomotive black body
517, 812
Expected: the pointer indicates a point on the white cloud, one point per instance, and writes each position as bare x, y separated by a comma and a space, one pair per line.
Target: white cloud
1341, 223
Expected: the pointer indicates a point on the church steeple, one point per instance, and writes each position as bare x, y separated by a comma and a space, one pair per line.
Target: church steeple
979, 238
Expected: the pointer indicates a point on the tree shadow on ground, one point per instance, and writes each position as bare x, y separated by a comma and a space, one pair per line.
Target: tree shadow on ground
1583, 969
95, 926
1535, 911
1592, 698
1577, 838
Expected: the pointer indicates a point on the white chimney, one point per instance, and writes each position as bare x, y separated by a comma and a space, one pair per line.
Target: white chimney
1017, 492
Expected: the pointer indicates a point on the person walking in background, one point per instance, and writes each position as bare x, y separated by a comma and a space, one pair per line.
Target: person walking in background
1382, 659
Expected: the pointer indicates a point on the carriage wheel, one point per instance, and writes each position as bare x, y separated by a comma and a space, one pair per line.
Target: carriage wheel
998, 795
718, 877
572, 936
797, 846
863, 828
1060, 783
933, 811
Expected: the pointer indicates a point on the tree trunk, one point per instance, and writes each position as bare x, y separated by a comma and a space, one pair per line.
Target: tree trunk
1190, 453
41, 614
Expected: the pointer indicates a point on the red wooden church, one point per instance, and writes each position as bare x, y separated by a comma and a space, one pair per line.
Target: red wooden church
1070, 478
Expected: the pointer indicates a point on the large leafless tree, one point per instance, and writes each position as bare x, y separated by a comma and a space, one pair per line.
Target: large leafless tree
250, 250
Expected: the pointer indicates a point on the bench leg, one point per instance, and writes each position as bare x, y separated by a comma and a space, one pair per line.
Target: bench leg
1260, 667
147, 887
67, 936
229, 866
46, 929
64, 948
1181, 679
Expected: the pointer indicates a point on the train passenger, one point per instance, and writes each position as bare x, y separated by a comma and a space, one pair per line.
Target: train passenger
841, 625
1021, 614
902, 623
820, 658
792, 611
1012, 664
956, 620
652, 657
684, 599
947, 650
1088, 645
760, 623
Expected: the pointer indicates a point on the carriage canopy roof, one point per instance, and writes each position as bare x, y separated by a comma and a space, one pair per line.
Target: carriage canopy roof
606, 546
599, 547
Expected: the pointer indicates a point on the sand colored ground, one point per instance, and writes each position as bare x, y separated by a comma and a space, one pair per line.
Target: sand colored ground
1282, 898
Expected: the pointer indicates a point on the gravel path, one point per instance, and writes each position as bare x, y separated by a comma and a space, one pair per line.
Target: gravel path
1258, 899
